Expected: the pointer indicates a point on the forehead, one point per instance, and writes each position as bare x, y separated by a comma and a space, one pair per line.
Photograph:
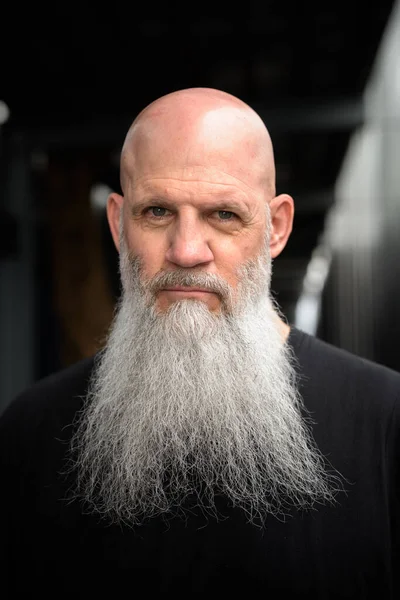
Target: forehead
197, 186
193, 176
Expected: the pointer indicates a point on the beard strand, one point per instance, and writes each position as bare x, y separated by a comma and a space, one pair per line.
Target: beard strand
187, 407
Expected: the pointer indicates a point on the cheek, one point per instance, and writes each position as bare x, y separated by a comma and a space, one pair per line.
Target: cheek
237, 255
248, 249
151, 252
254, 247
229, 264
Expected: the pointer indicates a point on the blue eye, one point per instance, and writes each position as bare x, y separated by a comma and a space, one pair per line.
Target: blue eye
225, 215
158, 211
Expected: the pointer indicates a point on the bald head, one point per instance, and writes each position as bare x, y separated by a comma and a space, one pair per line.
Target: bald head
196, 128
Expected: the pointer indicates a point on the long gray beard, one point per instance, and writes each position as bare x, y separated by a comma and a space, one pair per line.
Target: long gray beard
192, 404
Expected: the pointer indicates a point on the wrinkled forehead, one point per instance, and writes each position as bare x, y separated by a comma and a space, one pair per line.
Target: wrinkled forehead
224, 139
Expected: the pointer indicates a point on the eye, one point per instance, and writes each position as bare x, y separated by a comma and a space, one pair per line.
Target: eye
157, 211
226, 215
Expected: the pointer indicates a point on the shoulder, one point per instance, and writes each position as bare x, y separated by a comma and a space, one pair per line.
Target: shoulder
318, 354
333, 371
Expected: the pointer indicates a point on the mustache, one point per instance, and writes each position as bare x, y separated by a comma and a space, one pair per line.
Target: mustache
181, 277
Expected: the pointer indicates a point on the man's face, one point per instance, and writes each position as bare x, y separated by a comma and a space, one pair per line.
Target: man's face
197, 208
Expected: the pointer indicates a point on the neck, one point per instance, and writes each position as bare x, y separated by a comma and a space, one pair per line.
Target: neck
284, 329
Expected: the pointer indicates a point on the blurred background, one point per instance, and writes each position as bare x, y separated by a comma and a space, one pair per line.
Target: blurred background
325, 78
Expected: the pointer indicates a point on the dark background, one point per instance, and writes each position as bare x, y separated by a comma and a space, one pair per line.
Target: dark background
75, 78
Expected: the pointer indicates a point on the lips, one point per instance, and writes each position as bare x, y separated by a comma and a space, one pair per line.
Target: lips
185, 289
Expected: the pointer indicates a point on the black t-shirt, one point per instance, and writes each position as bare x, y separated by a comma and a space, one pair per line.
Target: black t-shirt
348, 550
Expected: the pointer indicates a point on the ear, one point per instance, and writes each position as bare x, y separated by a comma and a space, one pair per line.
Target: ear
114, 214
282, 213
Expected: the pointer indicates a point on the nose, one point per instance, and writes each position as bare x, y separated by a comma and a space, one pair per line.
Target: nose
188, 245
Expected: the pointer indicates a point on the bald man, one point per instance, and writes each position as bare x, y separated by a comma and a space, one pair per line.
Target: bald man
211, 448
